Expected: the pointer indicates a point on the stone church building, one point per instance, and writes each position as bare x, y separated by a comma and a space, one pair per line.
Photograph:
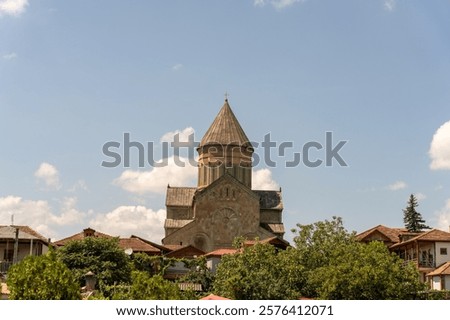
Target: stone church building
223, 205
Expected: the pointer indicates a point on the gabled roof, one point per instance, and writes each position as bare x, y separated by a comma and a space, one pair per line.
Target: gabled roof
391, 234
188, 251
179, 196
225, 130
214, 297
162, 248
176, 223
226, 176
221, 252
275, 241
138, 245
25, 232
81, 236
432, 235
442, 270
270, 199
277, 228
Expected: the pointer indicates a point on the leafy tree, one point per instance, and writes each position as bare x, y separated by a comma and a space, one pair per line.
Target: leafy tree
42, 278
199, 273
258, 272
337, 266
317, 245
366, 271
146, 287
102, 256
413, 220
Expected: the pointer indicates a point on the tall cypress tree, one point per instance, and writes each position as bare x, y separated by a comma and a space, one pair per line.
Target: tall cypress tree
413, 220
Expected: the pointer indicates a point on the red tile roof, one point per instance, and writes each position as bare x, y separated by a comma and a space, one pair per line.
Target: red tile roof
391, 234
442, 270
433, 235
138, 245
221, 252
214, 297
81, 236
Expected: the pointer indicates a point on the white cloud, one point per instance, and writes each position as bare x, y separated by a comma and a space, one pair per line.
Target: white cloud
398, 185
259, 3
10, 56
183, 135
262, 180
389, 5
444, 217
39, 215
12, 7
278, 4
79, 185
157, 179
49, 175
440, 148
132, 220
420, 196
177, 67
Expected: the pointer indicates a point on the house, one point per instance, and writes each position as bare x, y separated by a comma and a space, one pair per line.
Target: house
428, 250
178, 268
133, 244
88, 232
17, 242
213, 258
389, 236
439, 279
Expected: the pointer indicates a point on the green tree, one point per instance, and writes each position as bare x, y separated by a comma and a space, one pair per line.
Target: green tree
258, 272
337, 266
366, 271
102, 256
413, 220
147, 287
42, 278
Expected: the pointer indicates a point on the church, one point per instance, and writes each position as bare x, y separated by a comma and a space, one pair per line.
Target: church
223, 205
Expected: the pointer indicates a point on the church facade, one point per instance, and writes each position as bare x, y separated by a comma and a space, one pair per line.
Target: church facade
223, 205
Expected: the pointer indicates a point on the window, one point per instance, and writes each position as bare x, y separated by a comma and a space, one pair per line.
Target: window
443, 251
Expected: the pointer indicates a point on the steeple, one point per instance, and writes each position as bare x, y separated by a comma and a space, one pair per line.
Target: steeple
225, 130
225, 148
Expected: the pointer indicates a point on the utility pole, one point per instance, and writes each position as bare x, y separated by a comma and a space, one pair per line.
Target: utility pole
16, 246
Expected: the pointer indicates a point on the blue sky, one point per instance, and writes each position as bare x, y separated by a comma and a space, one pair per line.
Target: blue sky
77, 74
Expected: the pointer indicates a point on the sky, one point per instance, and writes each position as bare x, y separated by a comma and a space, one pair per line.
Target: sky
74, 75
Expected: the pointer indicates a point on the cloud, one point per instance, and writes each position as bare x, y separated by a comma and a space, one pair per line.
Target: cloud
39, 215
177, 67
440, 148
79, 185
10, 56
398, 185
278, 4
183, 135
444, 217
132, 220
262, 180
389, 5
157, 179
12, 7
420, 196
49, 175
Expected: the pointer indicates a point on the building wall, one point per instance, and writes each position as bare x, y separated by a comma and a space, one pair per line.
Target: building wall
436, 283
224, 210
271, 216
441, 259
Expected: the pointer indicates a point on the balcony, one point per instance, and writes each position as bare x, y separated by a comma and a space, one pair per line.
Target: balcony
4, 266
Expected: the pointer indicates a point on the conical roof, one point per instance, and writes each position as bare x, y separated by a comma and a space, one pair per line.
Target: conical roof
225, 130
